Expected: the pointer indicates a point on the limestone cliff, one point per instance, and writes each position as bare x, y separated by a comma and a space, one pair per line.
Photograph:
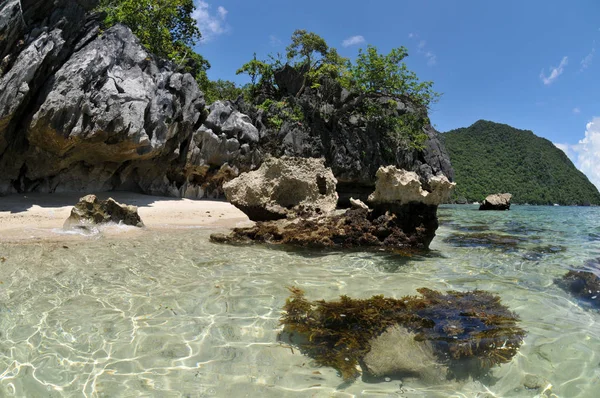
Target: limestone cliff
82, 109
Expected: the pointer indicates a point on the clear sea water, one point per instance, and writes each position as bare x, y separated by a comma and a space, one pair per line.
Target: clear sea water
171, 314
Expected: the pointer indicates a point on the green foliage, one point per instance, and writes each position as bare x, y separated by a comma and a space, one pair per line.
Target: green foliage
490, 158
276, 122
375, 73
460, 326
280, 112
165, 27
310, 48
404, 129
377, 78
260, 73
309, 52
220, 90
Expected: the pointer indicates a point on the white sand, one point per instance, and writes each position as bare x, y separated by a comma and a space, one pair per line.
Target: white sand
41, 216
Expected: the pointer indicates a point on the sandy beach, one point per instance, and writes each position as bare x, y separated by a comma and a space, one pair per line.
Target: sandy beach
41, 216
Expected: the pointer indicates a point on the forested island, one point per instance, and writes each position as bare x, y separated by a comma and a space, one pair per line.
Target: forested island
491, 157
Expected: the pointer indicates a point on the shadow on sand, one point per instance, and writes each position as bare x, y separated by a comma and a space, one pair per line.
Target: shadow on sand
22, 202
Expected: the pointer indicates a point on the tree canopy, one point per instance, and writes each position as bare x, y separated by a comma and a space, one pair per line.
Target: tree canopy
376, 73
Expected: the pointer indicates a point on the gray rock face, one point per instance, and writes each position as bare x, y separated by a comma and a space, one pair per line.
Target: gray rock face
91, 211
282, 187
83, 111
498, 201
226, 136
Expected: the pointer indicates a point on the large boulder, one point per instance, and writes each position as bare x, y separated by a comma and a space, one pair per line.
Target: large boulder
498, 201
282, 187
91, 211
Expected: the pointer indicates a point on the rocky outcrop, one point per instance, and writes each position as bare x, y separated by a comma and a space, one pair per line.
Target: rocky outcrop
91, 211
404, 216
402, 187
227, 136
88, 109
80, 110
284, 187
330, 123
354, 228
498, 201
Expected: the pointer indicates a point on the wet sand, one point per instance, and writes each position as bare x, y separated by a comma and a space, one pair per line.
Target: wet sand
41, 216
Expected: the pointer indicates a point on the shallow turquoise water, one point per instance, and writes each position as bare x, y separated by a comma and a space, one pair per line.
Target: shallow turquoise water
171, 314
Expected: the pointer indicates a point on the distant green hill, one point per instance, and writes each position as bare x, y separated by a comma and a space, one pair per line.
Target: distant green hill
490, 157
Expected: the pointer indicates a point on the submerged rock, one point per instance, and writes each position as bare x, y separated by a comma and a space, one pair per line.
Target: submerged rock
471, 326
398, 352
534, 382
353, 228
538, 252
490, 240
284, 187
583, 284
498, 201
90, 210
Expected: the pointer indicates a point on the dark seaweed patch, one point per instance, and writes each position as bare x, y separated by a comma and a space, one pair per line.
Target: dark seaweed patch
460, 326
489, 240
584, 285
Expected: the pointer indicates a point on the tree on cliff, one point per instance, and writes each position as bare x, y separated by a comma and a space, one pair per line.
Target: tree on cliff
310, 52
165, 27
375, 73
259, 71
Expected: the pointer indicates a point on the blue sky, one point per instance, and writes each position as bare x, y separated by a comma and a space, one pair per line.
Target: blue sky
531, 64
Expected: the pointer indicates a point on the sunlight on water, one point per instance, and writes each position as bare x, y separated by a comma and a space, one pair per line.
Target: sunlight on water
170, 314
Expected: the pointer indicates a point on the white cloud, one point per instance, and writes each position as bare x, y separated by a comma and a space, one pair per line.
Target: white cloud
587, 61
274, 41
576, 111
353, 41
210, 25
421, 49
555, 72
431, 58
586, 153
